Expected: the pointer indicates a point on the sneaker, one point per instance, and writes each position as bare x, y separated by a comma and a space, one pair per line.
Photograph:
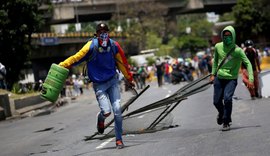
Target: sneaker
226, 127
257, 95
100, 124
119, 144
219, 119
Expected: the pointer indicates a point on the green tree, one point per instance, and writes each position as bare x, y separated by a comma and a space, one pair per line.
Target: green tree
199, 35
245, 13
71, 28
153, 40
228, 16
193, 43
252, 17
150, 61
88, 27
18, 20
144, 20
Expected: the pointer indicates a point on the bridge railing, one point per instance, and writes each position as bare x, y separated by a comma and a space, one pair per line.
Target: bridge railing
48, 38
214, 2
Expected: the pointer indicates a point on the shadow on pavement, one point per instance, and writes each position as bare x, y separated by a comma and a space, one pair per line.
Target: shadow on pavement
242, 127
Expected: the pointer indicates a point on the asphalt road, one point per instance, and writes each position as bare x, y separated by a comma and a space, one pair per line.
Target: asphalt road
194, 130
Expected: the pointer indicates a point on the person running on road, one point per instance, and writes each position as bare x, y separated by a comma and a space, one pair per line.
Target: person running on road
159, 71
102, 55
253, 57
225, 81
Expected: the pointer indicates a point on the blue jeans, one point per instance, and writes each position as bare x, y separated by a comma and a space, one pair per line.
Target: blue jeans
223, 93
108, 96
167, 78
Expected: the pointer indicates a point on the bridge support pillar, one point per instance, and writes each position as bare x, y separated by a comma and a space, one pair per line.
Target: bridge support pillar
170, 26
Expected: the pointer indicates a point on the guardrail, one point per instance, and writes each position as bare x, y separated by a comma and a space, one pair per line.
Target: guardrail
73, 34
50, 39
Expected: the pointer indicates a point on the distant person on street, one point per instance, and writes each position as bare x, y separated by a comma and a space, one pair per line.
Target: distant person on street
103, 56
136, 78
69, 86
253, 57
3, 73
159, 71
225, 81
208, 60
40, 83
167, 72
143, 73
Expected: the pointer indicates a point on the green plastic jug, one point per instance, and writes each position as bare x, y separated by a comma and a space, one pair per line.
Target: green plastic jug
54, 82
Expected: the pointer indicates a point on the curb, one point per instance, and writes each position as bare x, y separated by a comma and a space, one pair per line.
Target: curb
34, 107
29, 110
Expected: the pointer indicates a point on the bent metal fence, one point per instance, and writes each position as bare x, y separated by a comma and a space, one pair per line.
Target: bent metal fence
155, 116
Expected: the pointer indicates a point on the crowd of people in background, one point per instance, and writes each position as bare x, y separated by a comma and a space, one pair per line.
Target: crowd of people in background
164, 71
74, 86
167, 71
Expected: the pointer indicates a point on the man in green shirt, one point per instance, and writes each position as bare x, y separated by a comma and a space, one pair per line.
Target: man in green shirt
225, 79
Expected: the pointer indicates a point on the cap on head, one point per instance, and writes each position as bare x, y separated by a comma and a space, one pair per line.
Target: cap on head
249, 43
102, 26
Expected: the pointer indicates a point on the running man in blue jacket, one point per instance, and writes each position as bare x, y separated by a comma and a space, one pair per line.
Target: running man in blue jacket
104, 56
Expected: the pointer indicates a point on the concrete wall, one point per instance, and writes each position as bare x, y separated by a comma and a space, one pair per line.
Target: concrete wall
4, 103
2, 114
29, 101
12, 108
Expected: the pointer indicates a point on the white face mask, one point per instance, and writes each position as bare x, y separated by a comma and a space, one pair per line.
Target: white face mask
104, 37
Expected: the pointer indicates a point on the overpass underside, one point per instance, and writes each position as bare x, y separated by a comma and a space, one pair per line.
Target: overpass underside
97, 10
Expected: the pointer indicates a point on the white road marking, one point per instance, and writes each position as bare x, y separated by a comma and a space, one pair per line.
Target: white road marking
104, 143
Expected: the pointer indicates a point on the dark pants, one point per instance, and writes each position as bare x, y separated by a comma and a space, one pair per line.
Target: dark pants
254, 92
223, 93
159, 78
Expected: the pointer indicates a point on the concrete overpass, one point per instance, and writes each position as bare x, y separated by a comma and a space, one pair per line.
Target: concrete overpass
63, 45
68, 11
92, 10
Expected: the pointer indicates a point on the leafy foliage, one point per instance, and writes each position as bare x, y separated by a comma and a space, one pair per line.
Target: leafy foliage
252, 17
88, 27
18, 20
228, 16
149, 27
197, 38
150, 61
144, 19
153, 40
